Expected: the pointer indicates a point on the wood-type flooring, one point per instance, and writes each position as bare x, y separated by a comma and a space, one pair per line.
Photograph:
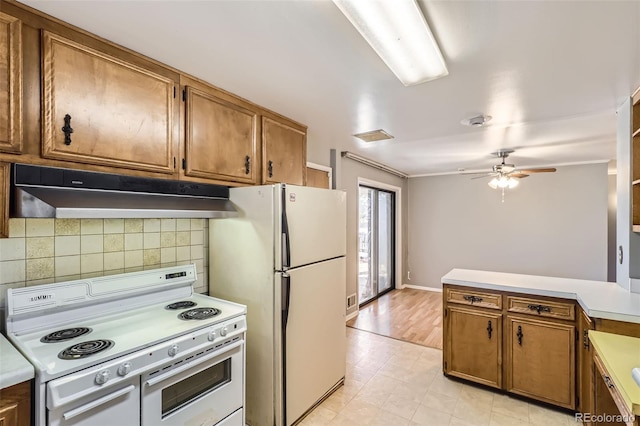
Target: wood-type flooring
410, 315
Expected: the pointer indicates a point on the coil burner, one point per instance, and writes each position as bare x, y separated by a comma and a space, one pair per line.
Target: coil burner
66, 334
183, 304
199, 314
85, 349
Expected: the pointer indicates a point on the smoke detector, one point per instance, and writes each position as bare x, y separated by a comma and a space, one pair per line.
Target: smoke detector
477, 121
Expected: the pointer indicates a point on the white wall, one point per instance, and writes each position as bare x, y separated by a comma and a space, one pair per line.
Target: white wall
552, 224
350, 171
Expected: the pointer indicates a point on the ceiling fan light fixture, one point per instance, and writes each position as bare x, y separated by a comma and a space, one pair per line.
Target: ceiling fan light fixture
398, 32
503, 182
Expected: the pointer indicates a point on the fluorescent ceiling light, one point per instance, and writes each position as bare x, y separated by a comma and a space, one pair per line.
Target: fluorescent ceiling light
398, 32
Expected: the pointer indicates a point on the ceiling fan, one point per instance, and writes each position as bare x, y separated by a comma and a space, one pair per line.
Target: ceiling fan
506, 175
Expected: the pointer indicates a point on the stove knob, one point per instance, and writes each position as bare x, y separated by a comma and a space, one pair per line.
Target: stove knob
223, 331
212, 336
173, 350
103, 377
124, 369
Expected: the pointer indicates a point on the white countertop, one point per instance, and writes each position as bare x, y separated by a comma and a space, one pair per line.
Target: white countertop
599, 299
14, 368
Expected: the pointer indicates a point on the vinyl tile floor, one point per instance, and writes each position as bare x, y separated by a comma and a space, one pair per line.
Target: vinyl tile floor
391, 382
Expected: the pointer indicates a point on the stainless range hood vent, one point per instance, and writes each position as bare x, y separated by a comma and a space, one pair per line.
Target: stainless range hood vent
65, 193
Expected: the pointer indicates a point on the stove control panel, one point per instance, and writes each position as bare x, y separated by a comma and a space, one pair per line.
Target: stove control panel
103, 377
212, 336
223, 331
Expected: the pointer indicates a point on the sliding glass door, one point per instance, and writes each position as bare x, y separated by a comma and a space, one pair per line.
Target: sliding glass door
376, 266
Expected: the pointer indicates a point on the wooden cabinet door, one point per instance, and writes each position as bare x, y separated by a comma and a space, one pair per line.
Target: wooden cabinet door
318, 178
221, 138
540, 360
585, 365
473, 345
5, 189
284, 158
121, 114
10, 84
15, 405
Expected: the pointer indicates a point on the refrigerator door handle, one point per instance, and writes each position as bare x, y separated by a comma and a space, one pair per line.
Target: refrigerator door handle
286, 299
286, 247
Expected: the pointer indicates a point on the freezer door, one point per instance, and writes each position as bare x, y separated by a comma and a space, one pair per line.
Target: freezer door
316, 224
315, 334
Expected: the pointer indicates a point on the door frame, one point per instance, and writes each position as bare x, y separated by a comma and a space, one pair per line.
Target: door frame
398, 225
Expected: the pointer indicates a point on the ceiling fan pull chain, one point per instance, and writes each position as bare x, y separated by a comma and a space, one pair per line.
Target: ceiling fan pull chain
503, 195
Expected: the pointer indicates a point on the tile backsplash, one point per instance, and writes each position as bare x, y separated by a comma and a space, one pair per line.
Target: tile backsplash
43, 251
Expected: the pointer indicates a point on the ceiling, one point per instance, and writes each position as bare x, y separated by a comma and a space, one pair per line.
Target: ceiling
550, 73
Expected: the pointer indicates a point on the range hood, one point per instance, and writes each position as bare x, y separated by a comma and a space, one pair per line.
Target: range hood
51, 192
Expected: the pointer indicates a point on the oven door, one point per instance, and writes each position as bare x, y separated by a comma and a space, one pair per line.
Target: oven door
200, 392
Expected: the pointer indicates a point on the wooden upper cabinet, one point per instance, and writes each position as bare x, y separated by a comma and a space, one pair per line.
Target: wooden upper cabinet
318, 178
221, 137
284, 148
10, 84
4, 199
100, 109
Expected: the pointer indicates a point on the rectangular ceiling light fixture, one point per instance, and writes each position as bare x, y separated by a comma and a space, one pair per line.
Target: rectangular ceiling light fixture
400, 35
374, 135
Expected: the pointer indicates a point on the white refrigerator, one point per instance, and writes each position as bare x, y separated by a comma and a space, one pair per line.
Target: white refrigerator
284, 257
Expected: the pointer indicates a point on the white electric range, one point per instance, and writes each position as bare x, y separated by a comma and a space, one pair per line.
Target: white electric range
131, 349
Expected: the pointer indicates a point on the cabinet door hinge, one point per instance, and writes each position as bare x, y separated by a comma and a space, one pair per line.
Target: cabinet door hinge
445, 312
184, 164
174, 162
577, 335
184, 95
174, 92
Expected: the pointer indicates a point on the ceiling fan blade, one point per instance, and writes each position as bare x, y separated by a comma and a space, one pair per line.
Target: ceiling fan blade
519, 175
485, 176
538, 170
475, 173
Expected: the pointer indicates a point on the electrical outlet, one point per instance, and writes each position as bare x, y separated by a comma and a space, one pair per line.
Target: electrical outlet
351, 300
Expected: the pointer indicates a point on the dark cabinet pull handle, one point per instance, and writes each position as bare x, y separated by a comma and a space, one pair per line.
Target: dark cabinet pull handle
585, 339
520, 335
540, 308
489, 329
270, 168
247, 165
472, 299
67, 129
609, 382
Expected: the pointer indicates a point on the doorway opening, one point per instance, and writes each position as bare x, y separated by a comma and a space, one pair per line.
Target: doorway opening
376, 243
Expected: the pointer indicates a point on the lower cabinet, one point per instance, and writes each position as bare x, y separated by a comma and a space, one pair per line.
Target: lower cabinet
475, 345
535, 356
15, 405
541, 360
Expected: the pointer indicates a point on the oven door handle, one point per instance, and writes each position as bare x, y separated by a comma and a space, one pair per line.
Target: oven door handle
188, 366
98, 402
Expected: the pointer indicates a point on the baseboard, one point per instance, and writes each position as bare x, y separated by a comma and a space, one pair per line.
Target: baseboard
419, 287
352, 315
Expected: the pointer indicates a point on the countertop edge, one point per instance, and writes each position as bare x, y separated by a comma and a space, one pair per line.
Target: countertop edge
14, 368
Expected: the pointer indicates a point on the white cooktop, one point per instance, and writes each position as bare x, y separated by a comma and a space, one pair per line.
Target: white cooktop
132, 323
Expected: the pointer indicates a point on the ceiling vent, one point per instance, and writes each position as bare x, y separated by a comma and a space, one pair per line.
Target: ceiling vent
373, 136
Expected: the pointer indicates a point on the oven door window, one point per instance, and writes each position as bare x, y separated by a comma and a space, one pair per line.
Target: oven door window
191, 388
